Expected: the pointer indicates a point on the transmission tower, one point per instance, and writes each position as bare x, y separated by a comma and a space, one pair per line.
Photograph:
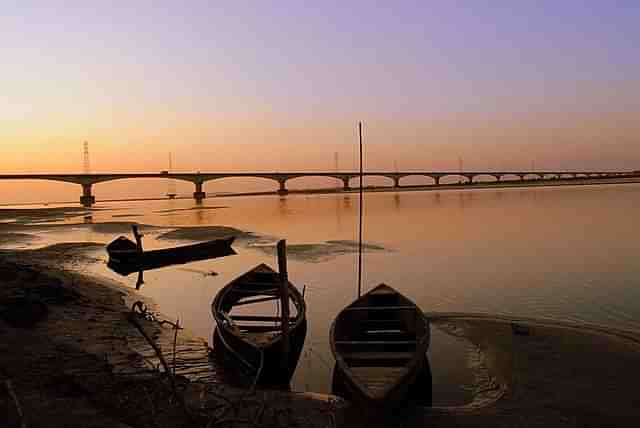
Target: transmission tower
87, 165
171, 192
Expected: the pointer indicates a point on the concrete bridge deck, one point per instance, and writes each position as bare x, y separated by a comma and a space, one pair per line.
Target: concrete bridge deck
199, 178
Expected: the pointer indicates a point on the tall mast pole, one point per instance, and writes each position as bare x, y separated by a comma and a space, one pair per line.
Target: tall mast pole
360, 222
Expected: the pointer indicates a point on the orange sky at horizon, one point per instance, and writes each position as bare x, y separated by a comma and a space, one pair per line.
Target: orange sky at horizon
274, 87
568, 141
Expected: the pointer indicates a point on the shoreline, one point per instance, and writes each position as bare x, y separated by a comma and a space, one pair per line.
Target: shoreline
372, 189
551, 375
68, 351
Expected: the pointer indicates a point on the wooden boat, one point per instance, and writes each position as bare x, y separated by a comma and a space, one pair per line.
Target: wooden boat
380, 343
255, 344
126, 256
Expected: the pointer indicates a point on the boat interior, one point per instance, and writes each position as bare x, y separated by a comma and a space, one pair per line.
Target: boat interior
382, 329
251, 307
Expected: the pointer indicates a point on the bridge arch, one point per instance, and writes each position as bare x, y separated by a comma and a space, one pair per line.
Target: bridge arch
372, 180
242, 183
134, 177
533, 176
487, 178
417, 180
454, 179
510, 177
295, 182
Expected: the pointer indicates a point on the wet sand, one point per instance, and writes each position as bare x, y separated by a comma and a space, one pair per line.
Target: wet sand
543, 373
82, 363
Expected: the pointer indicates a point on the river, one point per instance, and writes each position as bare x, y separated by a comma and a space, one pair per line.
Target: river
564, 253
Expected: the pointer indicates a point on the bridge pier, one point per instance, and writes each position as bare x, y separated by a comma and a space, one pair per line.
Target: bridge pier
87, 199
436, 180
199, 194
345, 184
396, 181
283, 188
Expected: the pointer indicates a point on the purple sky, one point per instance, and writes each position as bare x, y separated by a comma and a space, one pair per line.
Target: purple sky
465, 76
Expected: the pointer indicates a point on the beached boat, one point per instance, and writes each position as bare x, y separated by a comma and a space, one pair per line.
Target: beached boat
379, 343
125, 256
256, 344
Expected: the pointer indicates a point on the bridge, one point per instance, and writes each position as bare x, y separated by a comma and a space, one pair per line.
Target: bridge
87, 181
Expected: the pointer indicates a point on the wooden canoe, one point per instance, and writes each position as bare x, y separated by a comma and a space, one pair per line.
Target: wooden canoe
125, 258
253, 342
379, 343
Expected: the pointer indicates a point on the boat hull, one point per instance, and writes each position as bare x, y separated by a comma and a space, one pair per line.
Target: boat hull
126, 262
379, 343
273, 372
251, 344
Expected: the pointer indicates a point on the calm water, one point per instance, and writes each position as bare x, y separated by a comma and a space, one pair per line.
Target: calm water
567, 253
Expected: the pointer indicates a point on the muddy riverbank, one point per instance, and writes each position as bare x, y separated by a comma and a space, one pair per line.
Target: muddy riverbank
71, 357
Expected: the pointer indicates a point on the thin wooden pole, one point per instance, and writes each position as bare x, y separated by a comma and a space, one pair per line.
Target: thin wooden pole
140, 281
360, 222
284, 300
138, 237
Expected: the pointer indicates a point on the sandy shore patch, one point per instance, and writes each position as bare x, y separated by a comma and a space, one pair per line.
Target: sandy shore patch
16, 238
318, 251
206, 233
541, 373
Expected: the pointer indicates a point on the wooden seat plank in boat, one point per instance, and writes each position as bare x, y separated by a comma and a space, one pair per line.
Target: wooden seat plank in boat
377, 357
257, 291
257, 328
258, 300
376, 342
259, 318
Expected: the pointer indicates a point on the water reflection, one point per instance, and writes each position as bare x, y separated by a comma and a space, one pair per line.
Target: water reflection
567, 253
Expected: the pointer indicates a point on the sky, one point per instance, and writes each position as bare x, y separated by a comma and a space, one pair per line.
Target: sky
238, 86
